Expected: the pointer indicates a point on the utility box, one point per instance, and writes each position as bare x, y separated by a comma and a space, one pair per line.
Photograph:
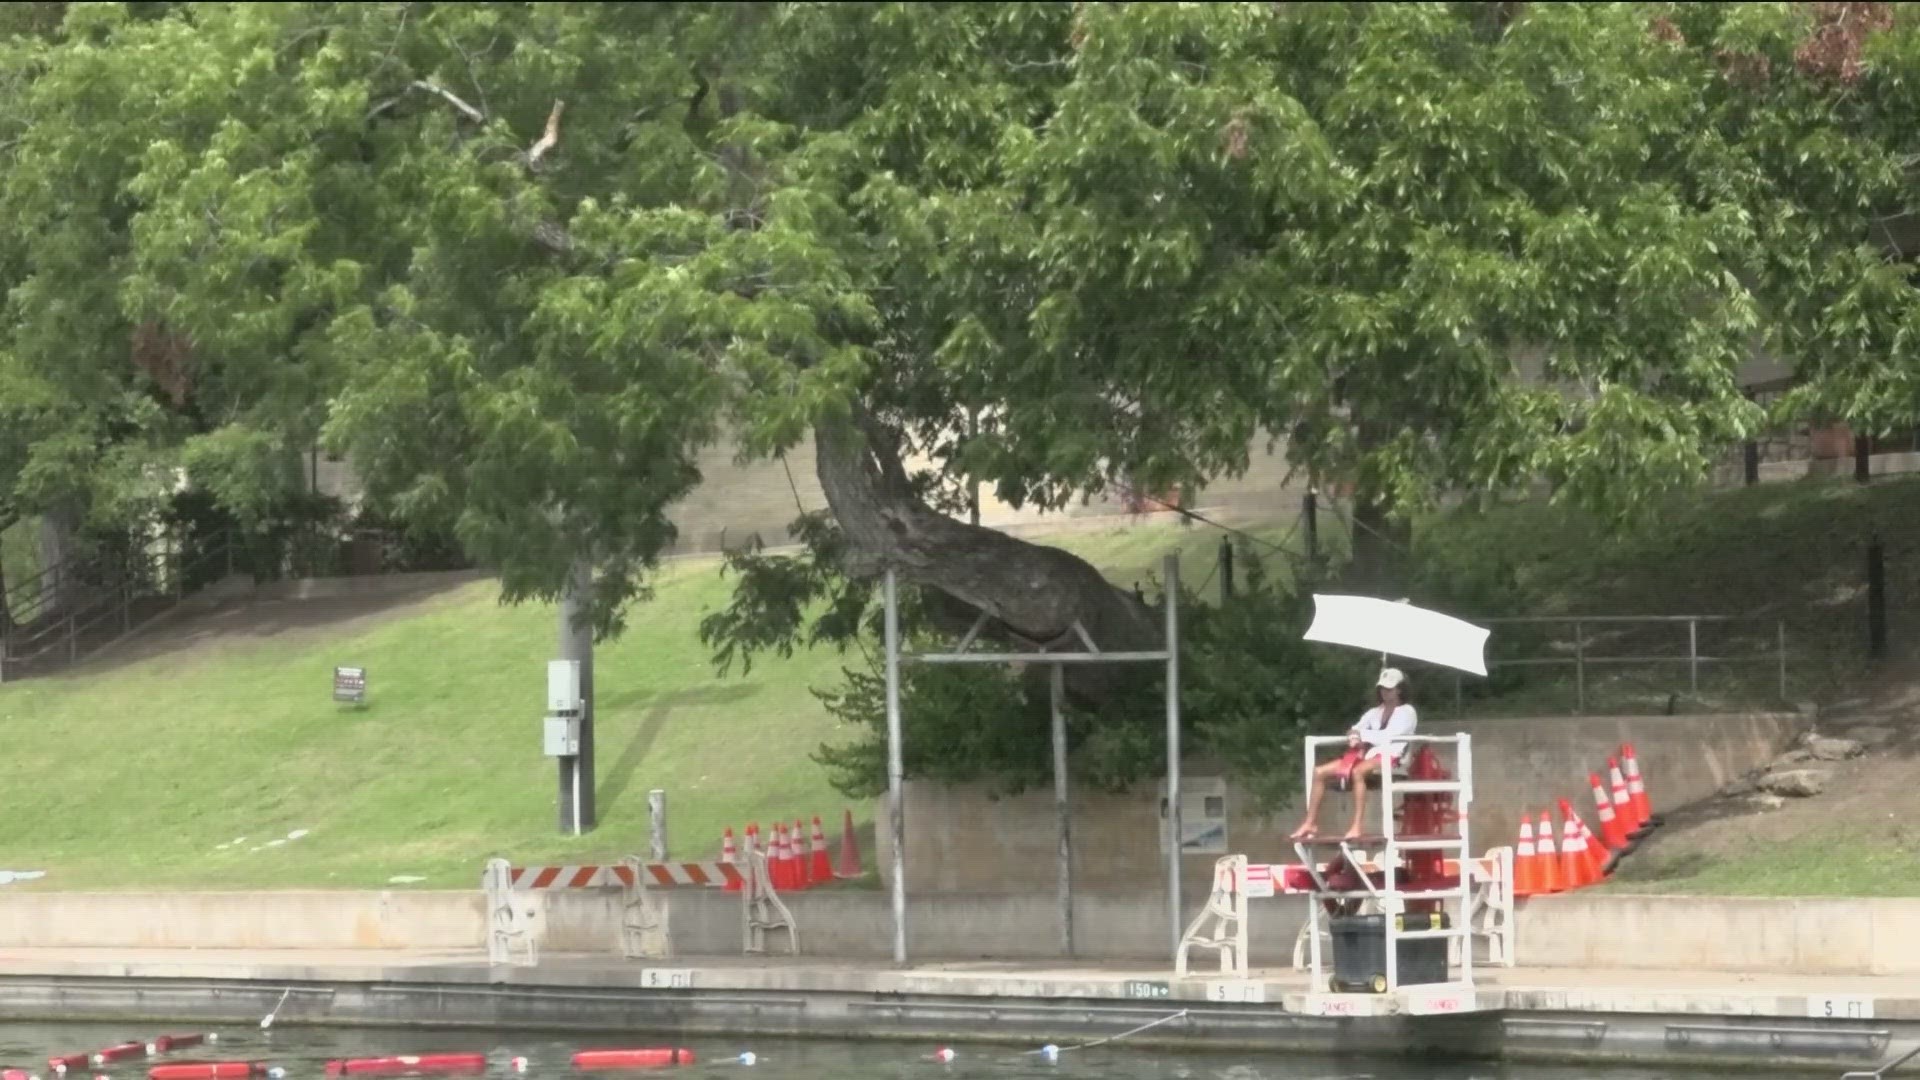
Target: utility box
564, 708
563, 686
563, 736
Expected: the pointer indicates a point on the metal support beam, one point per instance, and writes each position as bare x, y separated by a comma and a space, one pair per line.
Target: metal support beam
1056, 662
1172, 604
1062, 810
896, 813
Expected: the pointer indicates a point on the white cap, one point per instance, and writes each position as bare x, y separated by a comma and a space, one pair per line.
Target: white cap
1391, 678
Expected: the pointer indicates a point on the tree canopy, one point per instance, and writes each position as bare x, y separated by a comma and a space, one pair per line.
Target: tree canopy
520, 262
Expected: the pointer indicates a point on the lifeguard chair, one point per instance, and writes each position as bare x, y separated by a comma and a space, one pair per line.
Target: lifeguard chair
1411, 875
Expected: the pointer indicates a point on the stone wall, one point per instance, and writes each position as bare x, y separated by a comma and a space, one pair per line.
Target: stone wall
960, 840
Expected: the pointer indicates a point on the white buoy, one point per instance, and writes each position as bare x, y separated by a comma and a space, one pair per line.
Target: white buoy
518, 1064
747, 1058
944, 1055
1049, 1052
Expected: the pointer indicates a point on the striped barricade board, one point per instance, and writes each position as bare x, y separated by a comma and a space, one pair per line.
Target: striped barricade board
698, 875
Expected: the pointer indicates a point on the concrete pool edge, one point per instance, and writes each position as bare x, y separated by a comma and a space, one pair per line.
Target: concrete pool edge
1652, 1023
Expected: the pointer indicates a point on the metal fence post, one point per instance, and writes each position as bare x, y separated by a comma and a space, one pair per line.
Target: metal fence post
1693, 655
1579, 667
1782, 627
1876, 599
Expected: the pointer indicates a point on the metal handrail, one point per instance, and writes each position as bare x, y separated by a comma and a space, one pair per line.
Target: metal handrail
114, 601
1581, 661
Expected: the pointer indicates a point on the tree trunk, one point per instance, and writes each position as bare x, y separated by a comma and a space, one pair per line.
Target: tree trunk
1378, 567
1033, 593
6, 611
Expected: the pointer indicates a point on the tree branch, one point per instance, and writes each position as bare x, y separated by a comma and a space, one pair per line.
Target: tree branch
441, 92
549, 139
450, 98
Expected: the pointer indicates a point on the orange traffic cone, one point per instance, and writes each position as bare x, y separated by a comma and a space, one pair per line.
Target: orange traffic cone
1552, 876
729, 856
849, 850
822, 871
1599, 862
1526, 869
777, 859
1622, 802
799, 853
1637, 789
1573, 849
1611, 835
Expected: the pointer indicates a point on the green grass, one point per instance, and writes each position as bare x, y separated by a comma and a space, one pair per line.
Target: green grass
1834, 862
133, 776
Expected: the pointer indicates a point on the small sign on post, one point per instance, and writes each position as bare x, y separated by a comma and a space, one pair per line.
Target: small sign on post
350, 685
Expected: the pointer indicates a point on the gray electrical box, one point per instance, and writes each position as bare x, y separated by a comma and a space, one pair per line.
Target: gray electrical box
562, 729
563, 686
563, 736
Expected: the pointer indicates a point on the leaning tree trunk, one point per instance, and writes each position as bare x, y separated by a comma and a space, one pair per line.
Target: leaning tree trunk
1033, 594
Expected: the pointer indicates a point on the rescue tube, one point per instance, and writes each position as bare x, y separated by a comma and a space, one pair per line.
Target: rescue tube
120, 1052
167, 1043
408, 1065
212, 1070
643, 1058
71, 1061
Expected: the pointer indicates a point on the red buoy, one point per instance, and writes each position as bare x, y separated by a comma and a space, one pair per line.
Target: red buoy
120, 1052
17, 1074
408, 1065
642, 1058
207, 1070
71, 1061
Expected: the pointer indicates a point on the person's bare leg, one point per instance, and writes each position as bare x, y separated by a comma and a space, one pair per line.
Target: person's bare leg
1361, 771
1311, 824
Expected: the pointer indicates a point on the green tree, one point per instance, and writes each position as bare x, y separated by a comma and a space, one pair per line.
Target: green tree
519, 261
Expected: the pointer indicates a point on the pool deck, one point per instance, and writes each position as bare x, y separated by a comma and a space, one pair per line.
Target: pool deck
1582, 1014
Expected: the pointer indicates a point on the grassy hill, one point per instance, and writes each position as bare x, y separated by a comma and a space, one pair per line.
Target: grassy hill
144, 774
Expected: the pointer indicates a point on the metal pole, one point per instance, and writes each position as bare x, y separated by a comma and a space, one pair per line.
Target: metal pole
657, 813
1876, 599
1782, 627
576, 643
1579, 667
1693, 655
1061, 810
895, 771
1173, 746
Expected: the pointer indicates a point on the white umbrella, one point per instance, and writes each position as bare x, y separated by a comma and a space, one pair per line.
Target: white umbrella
1399, 629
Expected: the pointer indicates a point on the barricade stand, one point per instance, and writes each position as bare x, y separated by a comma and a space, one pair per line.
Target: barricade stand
643, 926
507, 925
761, 909
643, 919
1227, 906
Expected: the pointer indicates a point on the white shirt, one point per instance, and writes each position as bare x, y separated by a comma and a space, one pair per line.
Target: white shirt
1376, 732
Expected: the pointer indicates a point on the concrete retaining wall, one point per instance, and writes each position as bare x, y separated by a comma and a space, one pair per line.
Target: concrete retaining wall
240, 920
1802, 936
959, 839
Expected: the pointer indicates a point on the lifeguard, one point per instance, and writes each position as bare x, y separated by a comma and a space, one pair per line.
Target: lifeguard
1377, 736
